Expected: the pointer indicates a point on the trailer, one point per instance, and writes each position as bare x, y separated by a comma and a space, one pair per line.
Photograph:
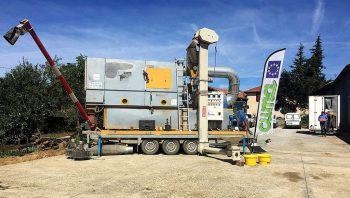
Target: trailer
169, 142
324, 103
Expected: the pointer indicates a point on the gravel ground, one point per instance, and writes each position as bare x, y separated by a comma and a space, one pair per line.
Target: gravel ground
303, 165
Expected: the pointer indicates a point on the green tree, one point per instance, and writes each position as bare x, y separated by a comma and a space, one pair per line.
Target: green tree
299, 68
299, 63
285, 94
32, 99
315, 78
74, 75
23, 102
306, 77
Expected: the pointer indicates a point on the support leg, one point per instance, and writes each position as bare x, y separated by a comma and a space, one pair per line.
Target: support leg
99, 145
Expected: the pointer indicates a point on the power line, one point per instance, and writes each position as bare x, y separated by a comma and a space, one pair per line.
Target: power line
216, 44
5, 67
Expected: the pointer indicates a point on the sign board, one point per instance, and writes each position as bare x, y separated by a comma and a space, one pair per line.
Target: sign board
269, 87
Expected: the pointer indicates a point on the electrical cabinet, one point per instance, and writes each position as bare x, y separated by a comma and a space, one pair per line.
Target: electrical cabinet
215, 106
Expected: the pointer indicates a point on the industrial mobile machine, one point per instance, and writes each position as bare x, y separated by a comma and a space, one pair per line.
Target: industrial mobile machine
155, 104
150, 103
325, 103
292, 120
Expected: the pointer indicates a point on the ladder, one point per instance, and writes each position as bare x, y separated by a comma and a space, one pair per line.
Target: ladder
182, 96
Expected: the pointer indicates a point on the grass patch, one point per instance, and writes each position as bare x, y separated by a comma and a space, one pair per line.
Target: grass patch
18, 152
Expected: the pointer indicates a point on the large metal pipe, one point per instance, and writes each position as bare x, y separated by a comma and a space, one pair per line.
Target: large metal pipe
215, 150
112, 149
231, 75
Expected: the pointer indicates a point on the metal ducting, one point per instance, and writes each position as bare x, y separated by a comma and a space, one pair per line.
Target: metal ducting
231, 75
112, 149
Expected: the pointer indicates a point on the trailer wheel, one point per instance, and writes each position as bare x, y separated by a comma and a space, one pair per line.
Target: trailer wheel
150, 147
190, 147
171, 147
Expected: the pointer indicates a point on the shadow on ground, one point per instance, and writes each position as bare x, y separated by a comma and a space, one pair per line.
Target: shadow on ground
258, 149
314, 134
230, 161
344, 137
3, 187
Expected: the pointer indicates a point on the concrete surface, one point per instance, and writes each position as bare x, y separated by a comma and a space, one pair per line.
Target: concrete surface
303, 165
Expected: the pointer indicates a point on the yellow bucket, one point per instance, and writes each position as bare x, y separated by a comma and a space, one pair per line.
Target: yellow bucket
250, 160
264, 159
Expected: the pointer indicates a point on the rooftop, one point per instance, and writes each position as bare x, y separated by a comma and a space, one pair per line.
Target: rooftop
241, 95
329, 85
254, 90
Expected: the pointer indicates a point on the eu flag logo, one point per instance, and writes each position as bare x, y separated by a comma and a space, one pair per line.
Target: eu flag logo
273, 69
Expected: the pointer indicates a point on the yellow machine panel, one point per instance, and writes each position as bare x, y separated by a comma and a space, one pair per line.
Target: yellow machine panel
159, 78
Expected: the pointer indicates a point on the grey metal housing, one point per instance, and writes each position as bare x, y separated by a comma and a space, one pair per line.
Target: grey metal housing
110, 81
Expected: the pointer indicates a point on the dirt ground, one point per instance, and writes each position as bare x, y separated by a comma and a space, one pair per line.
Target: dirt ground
303, 165
31, 156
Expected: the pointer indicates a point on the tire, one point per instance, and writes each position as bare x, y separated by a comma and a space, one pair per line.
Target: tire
171, 147
190, 147
150, 147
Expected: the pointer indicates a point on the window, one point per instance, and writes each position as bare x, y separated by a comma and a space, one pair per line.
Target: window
296, 116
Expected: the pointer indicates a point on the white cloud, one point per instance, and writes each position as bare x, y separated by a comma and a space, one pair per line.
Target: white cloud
194, 27
256, 35
318, 16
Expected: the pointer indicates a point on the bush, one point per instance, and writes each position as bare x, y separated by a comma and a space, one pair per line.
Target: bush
32, 99
305, 121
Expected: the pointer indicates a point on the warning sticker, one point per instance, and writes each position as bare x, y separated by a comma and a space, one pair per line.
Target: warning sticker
95, 85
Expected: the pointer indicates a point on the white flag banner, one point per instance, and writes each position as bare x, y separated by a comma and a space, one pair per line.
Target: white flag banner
269, 87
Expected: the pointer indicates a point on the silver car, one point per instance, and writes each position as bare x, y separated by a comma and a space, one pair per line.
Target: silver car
292, 120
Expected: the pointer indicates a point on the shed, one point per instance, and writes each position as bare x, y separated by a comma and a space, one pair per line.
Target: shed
340, 86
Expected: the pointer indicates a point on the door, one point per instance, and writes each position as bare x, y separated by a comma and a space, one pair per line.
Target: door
315, 108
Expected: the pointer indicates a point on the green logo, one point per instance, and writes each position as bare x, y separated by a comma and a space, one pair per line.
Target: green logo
267, 106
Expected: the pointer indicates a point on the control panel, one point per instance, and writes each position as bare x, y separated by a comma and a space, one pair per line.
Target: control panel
215, 106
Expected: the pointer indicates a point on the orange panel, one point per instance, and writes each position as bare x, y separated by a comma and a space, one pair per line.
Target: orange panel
159, 78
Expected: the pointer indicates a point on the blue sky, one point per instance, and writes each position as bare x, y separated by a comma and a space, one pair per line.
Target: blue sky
161, 30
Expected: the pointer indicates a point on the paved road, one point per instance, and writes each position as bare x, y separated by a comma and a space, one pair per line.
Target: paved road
303, 166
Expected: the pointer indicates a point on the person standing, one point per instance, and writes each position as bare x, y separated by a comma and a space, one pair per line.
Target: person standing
323, 121
329, 122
